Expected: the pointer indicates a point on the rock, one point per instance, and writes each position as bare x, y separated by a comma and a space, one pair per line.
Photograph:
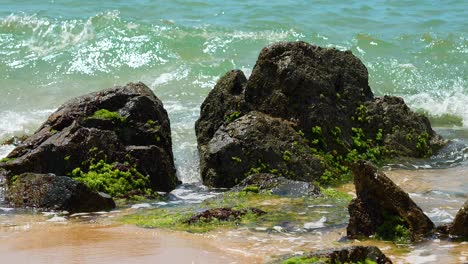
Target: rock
223, 103
50, 192
257, 143
353, 254
459, 227
407, 133
325, 95
278, 185
379, 200
126, 126
222, 214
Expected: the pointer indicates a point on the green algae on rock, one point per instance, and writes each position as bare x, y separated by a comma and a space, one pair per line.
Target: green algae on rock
117, 140
321, 93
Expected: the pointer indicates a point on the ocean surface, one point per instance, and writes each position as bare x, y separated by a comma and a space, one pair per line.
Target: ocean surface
51, 51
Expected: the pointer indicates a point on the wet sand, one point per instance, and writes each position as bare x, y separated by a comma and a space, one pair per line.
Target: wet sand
29, 238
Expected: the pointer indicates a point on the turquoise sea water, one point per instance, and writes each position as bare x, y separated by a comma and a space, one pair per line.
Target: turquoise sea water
51, 51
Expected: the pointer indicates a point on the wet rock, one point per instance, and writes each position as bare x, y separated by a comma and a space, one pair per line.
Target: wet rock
50, 192
278, 185
406, 133
223, 104
354, 254
125, 125
379, 200
325, 95
222, 214
459, 227
257, 143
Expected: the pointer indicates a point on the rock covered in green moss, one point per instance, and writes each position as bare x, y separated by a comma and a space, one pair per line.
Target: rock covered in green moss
126, 127
277, 185
353, 254
382, 208
325, 94
222, 214
257, 143
50, 192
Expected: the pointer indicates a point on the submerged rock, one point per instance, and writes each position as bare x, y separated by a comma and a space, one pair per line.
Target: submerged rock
381, 205
222, 214
353, 254
324, 95
256, 143
50, 192
277, 185
123, 131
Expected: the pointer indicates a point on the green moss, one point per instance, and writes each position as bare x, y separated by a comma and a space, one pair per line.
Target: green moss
151, 122
361, 114
236, 159
7, 159
67, 158
232, 116
14, 179
108, 115
394, 229
304, 260
335, 194
104, 177
52, 131
287, 155
422, 145
251, 188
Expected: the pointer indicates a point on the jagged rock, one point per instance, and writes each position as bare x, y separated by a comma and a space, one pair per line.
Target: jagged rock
353, 254
126, 126
379, 199
50, 192
222, 214
257, 143
406, 133
278, 185
316, 88
459, 227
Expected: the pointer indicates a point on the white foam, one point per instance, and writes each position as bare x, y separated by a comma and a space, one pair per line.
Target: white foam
318, 224
20, 123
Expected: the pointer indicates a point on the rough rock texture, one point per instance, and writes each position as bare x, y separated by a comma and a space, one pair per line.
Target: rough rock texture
459, 227
311, 87
222, 214
354, 254
47, 191
137, 132
257, 143
378, 197
407, 133
278, 185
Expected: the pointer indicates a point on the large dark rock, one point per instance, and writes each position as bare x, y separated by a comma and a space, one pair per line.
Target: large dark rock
124, 125
50, 192
278, 185
378, 200
257, 143
353, 254
325, 94
459, 227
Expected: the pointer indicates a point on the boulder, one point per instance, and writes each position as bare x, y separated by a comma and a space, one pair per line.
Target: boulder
353, 254
50, 192
380, 202
459, 227
277, 185
125, 126
325, 95
257, 143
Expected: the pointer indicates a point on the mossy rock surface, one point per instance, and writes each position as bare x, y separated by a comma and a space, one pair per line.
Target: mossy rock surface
125, 127
321, 93
353, 254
